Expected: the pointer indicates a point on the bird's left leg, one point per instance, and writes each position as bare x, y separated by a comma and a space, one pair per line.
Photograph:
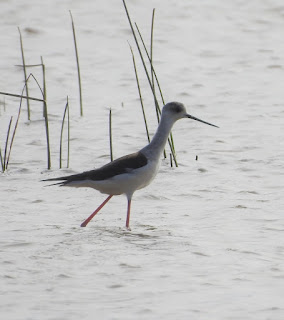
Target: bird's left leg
128, 214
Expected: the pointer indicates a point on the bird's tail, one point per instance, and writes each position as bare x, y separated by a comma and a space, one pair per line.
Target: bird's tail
62, 182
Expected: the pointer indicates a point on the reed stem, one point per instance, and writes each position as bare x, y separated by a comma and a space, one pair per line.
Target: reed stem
25, 74
5, 161
13, 135
158, 110
152, 66
110, 135
68, 135
21, 96
171, 160
45, 113
66, 111
140, 53
151, 49
43, 82
140, 95
78, 65
1, 160
47, 136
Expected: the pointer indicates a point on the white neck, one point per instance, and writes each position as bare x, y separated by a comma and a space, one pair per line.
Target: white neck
155, 148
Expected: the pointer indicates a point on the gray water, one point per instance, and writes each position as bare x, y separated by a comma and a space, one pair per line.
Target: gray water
207, 237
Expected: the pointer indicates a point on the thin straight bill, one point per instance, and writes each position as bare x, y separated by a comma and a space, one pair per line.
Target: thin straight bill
197, 119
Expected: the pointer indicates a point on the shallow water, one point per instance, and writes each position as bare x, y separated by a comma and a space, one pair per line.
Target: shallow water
207, 237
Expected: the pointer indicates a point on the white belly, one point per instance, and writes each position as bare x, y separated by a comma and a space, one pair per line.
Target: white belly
125, 183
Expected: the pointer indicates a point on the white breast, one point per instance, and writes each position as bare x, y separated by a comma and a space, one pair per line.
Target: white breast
125, 183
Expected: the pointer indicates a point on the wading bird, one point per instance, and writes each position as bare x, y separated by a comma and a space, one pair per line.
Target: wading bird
132, 172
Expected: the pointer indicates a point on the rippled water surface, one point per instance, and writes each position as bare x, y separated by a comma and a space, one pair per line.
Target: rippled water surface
207, 237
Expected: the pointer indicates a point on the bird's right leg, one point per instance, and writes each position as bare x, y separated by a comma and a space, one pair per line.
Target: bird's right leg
95, 212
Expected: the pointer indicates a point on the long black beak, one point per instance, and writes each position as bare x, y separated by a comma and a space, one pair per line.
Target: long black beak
194, 118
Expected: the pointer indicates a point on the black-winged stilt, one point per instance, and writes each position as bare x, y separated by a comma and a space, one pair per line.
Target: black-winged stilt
131, 172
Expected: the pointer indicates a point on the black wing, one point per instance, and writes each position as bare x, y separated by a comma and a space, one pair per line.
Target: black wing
116, 167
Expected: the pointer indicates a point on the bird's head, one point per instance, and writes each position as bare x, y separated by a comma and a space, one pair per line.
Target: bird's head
176, 111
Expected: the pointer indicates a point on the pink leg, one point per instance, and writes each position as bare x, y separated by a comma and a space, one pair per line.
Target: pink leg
95, 212
128, 214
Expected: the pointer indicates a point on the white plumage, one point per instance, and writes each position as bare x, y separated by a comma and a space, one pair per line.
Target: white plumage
131, 172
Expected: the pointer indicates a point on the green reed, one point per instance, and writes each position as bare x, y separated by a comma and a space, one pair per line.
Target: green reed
140, 95
78, 65
21, 96
25, 73
4, 161
110, 135
66, 111
158, 110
